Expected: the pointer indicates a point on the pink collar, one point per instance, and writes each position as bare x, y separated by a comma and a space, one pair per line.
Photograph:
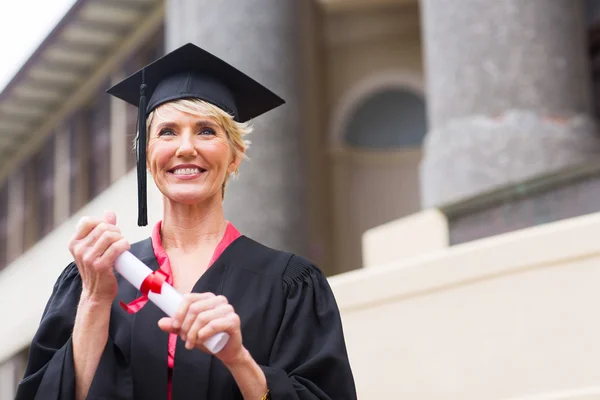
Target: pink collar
231, 234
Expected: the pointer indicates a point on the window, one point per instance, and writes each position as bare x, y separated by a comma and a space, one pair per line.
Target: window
391, 119
376, 173
3, 224
45, 178
31, 203
16, 214
155, 48
593, 20
78, 151
99, 145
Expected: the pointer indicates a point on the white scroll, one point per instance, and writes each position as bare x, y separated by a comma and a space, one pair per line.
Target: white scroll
168, 300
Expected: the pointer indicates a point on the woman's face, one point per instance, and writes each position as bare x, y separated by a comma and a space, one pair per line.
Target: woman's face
189, 156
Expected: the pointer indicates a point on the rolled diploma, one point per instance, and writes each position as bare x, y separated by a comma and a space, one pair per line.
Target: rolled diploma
168, 300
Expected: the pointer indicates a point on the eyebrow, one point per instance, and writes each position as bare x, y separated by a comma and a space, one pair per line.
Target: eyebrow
207, 122
202, 122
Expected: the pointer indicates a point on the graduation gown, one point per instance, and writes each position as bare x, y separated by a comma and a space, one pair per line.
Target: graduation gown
290, 324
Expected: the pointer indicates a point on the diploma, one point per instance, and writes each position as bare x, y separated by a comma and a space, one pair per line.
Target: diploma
168, 300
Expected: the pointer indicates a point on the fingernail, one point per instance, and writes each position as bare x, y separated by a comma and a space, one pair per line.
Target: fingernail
188, 345
184, 337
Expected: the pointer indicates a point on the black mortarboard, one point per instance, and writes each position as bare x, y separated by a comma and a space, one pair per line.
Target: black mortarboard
189, 72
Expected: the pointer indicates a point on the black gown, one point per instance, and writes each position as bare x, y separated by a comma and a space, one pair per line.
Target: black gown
290, 324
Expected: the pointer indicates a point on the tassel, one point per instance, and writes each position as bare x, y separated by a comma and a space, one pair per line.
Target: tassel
141, 157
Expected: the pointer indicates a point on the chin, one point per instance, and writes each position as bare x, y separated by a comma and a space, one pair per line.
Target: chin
189, 198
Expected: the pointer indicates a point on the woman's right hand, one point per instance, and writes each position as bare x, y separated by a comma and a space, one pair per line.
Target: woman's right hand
95, 246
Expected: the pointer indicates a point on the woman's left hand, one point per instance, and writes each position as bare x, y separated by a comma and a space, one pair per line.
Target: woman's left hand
202, 315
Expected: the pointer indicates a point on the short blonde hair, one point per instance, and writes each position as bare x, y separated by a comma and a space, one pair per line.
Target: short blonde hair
235, 130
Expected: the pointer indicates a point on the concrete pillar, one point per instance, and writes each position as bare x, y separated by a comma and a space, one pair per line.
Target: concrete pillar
262, 38
509, 96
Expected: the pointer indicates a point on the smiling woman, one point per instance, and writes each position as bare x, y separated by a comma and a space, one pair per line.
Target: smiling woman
207, 123
285, 334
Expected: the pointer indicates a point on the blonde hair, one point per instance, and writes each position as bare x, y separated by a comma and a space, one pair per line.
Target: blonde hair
235, 130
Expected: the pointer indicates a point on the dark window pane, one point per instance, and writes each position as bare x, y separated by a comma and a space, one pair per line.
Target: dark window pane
31, 203
77, 170
152, 50
3, 224
45, 178
99, 145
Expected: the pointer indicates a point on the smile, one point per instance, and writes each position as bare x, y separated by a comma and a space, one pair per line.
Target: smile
187, 171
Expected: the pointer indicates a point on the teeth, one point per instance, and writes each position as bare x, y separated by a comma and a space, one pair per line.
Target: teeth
186, 171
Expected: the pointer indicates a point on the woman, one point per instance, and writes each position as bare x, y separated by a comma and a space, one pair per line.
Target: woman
91, 345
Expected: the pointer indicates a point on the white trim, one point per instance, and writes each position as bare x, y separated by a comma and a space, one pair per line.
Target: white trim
360, 92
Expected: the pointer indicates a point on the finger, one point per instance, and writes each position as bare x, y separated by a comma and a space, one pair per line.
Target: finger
230, 323
91, 239
93, 256
165, 325
113, 251
84, 226
197, 308
110, 217
204, 318
79, 246
182, 310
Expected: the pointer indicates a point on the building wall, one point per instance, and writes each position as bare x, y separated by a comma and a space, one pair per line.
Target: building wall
81, 167
370, 52
74, 164
36, 271
507, 317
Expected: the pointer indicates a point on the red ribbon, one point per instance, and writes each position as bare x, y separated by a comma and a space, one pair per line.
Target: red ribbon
153, 283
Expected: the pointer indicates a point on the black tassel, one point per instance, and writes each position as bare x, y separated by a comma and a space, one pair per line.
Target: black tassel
141, 157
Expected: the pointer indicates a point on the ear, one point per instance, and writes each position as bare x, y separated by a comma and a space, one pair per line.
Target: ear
236, 160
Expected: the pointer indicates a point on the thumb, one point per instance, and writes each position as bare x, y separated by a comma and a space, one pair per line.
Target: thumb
110, 217
165, 325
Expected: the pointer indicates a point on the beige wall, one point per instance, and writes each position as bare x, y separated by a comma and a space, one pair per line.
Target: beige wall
506, 317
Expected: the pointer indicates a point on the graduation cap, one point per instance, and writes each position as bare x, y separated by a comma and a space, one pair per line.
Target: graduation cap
189, 72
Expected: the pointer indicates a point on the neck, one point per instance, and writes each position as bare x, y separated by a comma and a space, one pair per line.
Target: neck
188, 227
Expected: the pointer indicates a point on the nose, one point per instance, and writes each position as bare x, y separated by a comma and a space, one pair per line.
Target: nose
186, 146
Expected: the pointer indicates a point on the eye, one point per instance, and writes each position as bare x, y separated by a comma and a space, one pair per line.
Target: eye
166, 132
207, 131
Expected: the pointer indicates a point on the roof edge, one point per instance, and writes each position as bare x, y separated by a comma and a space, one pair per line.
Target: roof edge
48, 40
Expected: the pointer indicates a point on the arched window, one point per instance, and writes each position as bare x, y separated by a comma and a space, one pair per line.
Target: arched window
391, 119
376, 167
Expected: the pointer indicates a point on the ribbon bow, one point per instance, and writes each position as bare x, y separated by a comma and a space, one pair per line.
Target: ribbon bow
152, 283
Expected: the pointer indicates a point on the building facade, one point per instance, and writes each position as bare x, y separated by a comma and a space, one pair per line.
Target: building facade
502, 137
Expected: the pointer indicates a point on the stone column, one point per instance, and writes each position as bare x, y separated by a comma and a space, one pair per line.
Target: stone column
509, 96
262, 38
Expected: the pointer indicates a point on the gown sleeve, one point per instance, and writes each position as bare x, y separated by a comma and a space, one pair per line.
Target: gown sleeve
50, 371
309, 360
